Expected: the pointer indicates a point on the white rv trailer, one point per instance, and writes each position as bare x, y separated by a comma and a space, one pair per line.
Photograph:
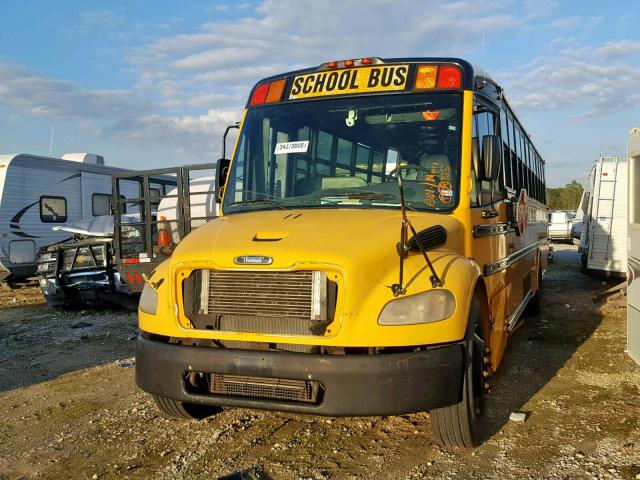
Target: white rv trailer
38, 193
633, 290
603, 242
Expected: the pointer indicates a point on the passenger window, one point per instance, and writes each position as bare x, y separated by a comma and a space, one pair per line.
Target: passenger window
325, 145
486, 125
53, 209
344, 152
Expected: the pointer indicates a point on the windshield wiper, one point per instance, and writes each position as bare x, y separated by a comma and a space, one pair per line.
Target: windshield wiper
259, 200
403, 248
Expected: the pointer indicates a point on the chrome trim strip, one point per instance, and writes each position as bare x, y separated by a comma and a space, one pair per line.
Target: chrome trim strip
499, 265
513, 319
488, 229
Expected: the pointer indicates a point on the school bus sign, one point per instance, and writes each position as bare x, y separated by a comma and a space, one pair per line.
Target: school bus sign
380, 78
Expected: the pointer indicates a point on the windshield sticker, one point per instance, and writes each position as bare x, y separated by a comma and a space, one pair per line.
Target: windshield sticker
437, 183
381, 78
291, 147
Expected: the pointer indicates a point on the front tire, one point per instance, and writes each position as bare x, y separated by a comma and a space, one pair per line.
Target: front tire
186, 411
458, 426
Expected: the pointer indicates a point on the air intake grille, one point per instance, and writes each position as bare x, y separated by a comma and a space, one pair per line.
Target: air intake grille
263, 294
271, 388
272, 302
83, 257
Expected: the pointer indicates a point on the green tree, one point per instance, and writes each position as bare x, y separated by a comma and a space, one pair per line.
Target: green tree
565, 198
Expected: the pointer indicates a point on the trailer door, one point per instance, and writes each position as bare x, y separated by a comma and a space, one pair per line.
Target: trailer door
96, 192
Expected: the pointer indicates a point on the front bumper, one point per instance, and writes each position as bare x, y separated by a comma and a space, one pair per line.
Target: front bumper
353, 385
86, 287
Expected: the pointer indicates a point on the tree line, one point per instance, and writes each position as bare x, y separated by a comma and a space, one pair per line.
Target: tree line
565, 198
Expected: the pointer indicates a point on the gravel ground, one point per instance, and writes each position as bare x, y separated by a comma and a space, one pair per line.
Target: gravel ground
70, 407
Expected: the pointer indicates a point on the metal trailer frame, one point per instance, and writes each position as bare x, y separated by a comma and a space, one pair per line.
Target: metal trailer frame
633, 290
134, 263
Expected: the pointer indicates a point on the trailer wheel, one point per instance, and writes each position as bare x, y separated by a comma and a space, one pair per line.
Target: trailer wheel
458, 426
176, 409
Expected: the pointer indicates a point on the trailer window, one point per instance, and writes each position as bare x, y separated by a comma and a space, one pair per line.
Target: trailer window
53, 209
22, 251
100, 204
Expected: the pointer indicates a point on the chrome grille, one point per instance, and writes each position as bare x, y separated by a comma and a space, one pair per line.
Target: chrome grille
262, 294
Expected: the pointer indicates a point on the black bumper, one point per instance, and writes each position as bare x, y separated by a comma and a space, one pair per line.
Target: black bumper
354, 385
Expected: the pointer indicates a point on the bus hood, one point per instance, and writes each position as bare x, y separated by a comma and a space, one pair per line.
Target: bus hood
346, 238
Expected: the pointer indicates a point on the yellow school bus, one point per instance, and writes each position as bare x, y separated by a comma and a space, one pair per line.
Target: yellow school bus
383, 227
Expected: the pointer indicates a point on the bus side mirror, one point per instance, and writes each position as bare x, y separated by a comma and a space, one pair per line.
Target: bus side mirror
490, 157
222, 171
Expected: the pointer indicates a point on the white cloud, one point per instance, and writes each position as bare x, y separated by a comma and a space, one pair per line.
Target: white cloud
202, 134
188, 87
595, 81
25, 90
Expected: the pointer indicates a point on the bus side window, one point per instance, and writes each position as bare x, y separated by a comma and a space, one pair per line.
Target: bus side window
515, 172
475, 201
506, 154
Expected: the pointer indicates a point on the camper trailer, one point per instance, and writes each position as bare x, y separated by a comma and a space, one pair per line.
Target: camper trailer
603, 243
94, 268
38, 193
633, 293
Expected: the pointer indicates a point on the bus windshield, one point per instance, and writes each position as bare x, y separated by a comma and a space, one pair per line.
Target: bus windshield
339, 153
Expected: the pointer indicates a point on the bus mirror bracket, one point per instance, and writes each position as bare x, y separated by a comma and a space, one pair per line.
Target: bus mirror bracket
222, 167
475, 156
222, 171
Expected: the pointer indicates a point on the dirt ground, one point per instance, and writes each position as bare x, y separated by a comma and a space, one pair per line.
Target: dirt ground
70, 408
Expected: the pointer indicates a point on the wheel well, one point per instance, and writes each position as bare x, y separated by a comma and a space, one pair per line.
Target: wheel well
480, 292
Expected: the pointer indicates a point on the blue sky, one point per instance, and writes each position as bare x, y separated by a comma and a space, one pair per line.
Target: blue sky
151, 84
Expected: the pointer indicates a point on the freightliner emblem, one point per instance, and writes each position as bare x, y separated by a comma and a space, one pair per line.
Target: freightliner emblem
253, 260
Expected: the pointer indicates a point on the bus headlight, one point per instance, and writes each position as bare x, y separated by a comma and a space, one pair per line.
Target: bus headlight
148, 300
427, 307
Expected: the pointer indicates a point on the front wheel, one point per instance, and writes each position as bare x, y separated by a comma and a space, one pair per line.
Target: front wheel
176, 409
458, 426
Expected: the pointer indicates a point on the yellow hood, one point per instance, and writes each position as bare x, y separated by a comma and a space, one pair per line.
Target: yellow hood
344, 237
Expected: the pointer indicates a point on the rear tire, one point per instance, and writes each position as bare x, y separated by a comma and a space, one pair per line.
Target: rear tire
189, 411
458, 426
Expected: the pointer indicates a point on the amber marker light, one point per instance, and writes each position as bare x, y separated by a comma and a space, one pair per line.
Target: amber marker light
450, 77
259, 94
332, 64
275, 91
426, 77
430, 116
349, 63
366, 61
